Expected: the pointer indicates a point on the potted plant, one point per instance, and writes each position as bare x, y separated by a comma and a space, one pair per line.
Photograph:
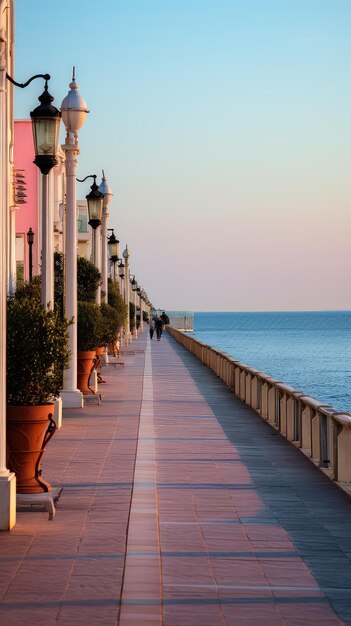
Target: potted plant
116, 301
36, 356
89, 330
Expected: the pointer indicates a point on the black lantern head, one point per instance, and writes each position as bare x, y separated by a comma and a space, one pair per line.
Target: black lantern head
30, 237
121, 270
113, 247
95, 200
46, 125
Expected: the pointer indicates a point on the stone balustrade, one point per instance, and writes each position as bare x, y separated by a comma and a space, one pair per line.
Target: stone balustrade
321, 432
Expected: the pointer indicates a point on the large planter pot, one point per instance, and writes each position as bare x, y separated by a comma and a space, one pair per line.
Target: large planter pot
29, 428
85, 365
100, 351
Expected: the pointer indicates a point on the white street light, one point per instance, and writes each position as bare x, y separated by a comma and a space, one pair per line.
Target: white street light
105, 189
126, 257
74, 111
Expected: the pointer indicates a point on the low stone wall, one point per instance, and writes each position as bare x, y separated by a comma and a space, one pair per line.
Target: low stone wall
321, 432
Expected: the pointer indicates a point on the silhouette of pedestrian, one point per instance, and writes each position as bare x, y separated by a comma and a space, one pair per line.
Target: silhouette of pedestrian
159, 327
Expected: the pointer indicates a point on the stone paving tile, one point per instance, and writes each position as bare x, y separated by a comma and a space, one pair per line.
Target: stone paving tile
70, 570
297, 507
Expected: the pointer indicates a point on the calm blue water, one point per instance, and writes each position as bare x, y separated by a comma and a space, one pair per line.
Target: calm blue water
309, 351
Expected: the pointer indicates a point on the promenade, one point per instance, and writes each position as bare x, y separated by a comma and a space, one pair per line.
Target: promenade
180, 507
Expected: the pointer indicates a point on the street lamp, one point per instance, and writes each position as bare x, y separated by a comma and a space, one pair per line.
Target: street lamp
30, 241
126, 257
134, 286
74, 111
107, 193
140, 294
121, 270
95, 204
113, 250
45, 126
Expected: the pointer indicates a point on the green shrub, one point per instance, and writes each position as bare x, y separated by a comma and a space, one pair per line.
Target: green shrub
36, 352
88, 279
111, 324
116, 301
30, 290
89, 326
59, 281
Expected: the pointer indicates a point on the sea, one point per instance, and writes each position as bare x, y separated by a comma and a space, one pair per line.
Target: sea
310, 351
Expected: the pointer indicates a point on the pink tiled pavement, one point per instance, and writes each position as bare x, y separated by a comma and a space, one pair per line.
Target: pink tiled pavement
70, 570
152, 526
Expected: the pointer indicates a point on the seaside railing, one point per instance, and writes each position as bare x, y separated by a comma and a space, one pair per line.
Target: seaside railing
181, 320
321, 432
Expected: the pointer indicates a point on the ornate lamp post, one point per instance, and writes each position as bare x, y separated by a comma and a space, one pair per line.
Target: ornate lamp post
105, 189
95, 201
30, 241
134, 286
121, 269
74, 111
141, 299
113, 250
126, 257
46, 125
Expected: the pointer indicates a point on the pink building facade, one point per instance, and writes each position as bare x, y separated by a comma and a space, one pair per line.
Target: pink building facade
27, 215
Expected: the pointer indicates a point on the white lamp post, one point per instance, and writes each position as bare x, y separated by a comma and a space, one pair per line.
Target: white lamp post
46, 125
105, 189
113, 250
134, 287
126, 256
142, 292
74, 111
7, 478
95, 201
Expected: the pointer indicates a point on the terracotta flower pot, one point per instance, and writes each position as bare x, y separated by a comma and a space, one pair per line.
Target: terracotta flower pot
29, 428
99, 354
85, 363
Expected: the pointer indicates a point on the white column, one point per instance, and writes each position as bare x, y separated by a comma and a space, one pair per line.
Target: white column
104, 255
95, 258
126, 256
135, 314
97, 261
47, 236
128, 298
7, 478
141, 315
71, 396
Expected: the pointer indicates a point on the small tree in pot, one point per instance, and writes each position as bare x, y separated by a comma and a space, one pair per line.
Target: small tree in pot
116, 301
89, 331
111, 324
36, 356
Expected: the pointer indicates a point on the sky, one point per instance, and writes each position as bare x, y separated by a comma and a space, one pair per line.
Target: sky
224, 129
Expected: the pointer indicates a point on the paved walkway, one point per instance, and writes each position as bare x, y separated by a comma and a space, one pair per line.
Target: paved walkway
180, 507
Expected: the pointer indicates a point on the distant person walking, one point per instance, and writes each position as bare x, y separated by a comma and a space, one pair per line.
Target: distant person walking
159, 328
151, 328
164, 318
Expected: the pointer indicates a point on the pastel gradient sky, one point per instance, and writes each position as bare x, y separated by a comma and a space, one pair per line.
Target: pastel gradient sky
224, 127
